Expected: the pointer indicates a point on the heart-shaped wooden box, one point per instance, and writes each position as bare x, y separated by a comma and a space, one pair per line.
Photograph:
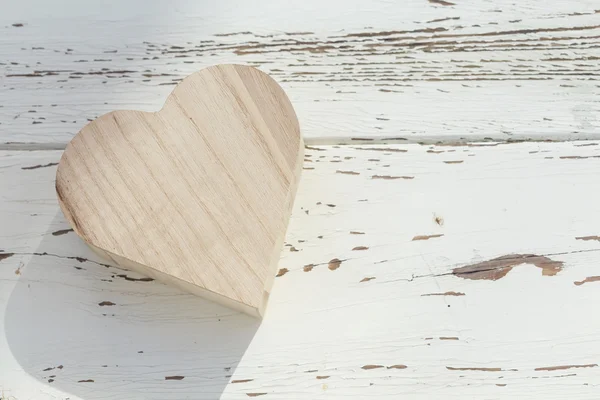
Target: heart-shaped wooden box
198, 194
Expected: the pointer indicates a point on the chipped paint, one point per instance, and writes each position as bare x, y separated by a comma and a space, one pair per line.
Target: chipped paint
255, 394
323, 376
427, 237
367, 279
356, 233
497, 268
442, 2
61, 232
85, 380
448, 338
444, 294
562, 367
372, 366
389, 177
474, 369
347, 172
282, 272
358, 248
128, 278
587, 238
308, 267
587, 280
397, 366
384, 149
241, 380
577, 157
106, 303
4, 256
334, 264
553, 376
454, 162
174, 378
369, 59
385, 242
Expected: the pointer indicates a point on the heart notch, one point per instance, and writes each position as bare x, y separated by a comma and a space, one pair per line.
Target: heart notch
197, 195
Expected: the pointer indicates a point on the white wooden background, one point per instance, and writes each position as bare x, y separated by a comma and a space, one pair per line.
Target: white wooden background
468, 269
416, 70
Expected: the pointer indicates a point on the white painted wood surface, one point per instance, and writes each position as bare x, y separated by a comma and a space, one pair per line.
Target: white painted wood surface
373, 324
416, 70
385, 312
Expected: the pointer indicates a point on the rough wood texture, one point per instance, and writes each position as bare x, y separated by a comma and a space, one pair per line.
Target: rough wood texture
444, 272
413, 318
198, 194
414, 70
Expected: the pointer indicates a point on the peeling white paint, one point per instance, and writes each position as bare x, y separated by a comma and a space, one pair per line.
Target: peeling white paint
534, 334
415, 71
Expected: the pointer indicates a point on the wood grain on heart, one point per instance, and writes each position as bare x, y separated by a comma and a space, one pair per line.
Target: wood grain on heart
198, 194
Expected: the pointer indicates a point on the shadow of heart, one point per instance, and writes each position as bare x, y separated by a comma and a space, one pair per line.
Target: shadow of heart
97, 331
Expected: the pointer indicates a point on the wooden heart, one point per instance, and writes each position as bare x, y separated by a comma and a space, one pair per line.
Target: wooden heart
198, 194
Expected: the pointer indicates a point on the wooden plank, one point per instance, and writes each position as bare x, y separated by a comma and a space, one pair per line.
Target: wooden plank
416, 71
388, 287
